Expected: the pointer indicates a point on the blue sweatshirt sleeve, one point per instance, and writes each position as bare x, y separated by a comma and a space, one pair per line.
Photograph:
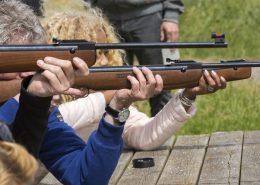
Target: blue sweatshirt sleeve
74, 162
8, 111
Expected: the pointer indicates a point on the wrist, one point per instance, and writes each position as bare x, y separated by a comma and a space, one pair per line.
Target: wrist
118, 105
110, 119
32, 101
186, 99
32, 86
36, 87
189, 94
117, 117
31, 90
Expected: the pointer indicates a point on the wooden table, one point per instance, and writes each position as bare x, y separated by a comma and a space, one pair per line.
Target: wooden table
220, 158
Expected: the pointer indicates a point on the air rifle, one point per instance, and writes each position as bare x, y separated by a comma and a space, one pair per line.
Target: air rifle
176, 75
22, 58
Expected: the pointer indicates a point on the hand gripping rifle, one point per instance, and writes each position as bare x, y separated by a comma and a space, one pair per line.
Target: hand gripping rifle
22, 58
176, 75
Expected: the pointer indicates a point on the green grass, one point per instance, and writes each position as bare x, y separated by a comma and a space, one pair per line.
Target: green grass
239, 19
235, 108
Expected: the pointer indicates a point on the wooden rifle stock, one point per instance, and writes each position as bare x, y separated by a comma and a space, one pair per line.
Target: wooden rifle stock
26, 60
235, 74
118, 80
174, 77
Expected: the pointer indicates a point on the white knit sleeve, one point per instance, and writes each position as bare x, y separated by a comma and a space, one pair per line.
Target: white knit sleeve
83, 111
146, 133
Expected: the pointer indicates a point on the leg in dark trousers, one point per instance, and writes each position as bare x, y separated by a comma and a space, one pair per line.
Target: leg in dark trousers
145, 29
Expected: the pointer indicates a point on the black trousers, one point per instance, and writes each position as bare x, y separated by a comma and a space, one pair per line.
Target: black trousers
144, 29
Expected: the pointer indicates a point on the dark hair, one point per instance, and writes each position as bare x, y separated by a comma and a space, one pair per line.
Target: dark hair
36, 5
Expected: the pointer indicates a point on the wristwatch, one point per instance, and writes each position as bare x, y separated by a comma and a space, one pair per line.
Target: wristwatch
120, 116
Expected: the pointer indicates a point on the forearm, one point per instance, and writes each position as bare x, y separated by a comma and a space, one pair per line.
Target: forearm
155, 131
109, 142
31, 120
84, 111
9, 89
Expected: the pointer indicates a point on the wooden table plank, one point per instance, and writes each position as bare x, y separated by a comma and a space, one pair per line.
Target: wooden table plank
185, 161
250, 172
249, 183
168, 144
125, 159
123, 162
222, 154
222, 160
231, 183
145, 176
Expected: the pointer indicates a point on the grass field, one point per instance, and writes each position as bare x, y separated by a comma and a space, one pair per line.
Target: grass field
237, 107
239, 19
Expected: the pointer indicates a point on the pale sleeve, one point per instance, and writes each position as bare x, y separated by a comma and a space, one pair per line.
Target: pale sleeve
144, 133
81, 113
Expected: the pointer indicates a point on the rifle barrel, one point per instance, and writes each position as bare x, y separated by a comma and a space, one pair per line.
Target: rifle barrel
130, 68
230, 65
154, 45
85, 45
7, 48
182, 66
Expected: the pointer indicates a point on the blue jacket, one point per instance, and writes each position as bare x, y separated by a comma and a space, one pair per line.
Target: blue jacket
68, 157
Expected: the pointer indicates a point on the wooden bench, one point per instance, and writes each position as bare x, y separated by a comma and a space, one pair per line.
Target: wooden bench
220, 158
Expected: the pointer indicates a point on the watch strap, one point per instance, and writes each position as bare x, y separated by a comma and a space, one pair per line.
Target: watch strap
114, 113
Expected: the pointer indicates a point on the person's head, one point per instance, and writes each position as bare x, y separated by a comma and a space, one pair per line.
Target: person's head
19, 24
36, 5
90, 26
17, 166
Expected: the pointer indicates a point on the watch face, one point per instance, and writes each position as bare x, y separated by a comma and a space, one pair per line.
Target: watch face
123, 115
